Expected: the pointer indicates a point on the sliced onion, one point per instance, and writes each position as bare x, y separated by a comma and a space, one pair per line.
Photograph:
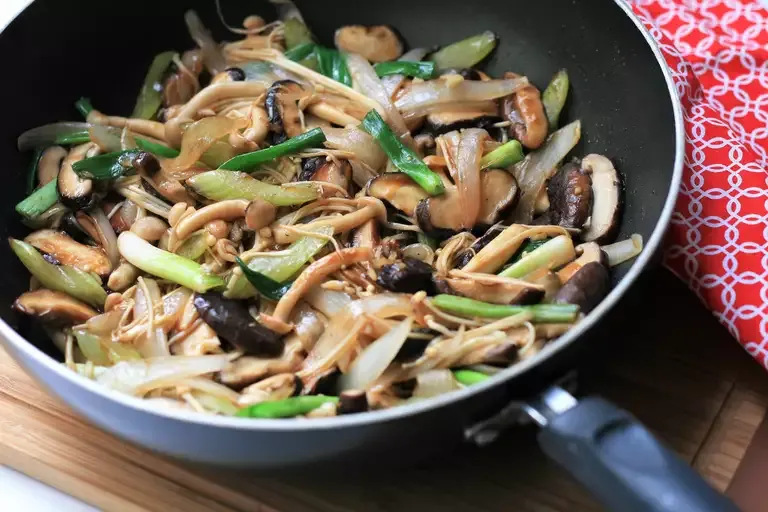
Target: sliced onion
47, 135
533, 172
215, 404
212, 56
107, 236
198, 138
211, 388
106, 137
154, 342
376, 357
433, 383
367, 82
140, 377
392, 83
267, 73
489, 107
468, 174
174, 304
355, 140
421, 252
623, 251
328, 302
434, 92
105, 323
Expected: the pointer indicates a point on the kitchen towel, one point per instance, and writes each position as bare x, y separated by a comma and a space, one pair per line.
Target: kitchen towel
717, 51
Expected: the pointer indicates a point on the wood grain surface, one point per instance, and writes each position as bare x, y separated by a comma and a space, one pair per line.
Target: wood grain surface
673, 366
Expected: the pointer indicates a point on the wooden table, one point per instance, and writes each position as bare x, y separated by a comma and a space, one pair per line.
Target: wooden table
689, 382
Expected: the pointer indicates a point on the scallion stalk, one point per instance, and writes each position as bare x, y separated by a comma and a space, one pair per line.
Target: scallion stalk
39, 201
553, 254
248, 161
425, 70
224, 185
466, 53
151, 94
469, 377
288, 407
504, 156
543, 313
73, 139
155, 148
333, 64
83, 105
554, 97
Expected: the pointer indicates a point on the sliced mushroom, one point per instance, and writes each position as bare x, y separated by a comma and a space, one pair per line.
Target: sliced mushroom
606, 199
398, 190
441, 216
352, 402
278, 387
589, 252
75, 192
231, 320
232, 74
69, 252
570, 197
247, 370
337, 172
450, 120
55, 307
465, 256
367, 235
181, 85
282, 104
49, 164
586, 288
377, 44
494, 289
526, 113
407, 276
424, 142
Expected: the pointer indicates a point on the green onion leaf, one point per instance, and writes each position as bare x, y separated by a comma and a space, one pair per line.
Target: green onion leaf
266, 286
425, 70
32, 172
107, 166
248, 161
287, 408
552, 254
403, 157
83, 105
155, 148
333, 64
469, 377
39, 201
304, 54
73, 139
296, 33
151, 94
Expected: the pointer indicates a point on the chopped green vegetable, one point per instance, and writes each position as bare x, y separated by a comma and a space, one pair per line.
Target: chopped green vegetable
296, 34
73, 139
32, 172
102, 351
304, 54
39, 201
160, 263
466, 53
83, 105
544, 313
527, 248
283, 267
425, 70
224, 185
287, 408
554, 97
107, 166
403, 157
194, 246
80, 285
151, 94
469, 377
156, 148
504, 156
266, 286
553, 253
333, 64
427, 240
313, 138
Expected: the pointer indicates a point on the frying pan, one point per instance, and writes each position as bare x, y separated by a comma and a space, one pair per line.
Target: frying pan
54, 52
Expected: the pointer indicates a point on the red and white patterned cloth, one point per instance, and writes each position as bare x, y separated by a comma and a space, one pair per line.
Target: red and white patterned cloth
718, 242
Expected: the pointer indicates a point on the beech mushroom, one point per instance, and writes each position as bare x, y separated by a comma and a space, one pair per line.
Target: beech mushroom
377, 44
606, 199
282, 104
55, 307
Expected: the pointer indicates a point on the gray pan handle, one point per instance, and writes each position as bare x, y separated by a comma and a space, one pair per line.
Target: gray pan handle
618, 459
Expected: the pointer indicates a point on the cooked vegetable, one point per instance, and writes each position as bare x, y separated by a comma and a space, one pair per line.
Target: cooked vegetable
376, 44
586, 288
404, 158
67, 251
266, 286
296, 33
155, 148
466, 53
248, 161
50, 306
333, 64
150, 97
424, 70
83, 105
504, 156
50, 134
570, 197
524, 110
409, 276
39, 201
76, 283
623, 251
288, 408
551, 254
606, 198
554, 97
160, 263
105, 167
32, 172
545, 313
225, 185
469, 377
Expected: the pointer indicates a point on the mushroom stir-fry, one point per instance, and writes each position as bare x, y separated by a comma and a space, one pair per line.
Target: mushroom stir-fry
282, 229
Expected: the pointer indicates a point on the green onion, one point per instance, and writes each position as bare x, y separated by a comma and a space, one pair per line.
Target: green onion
425, 70
469, 377
427, 240
552, 254
32, 172
155, 148
296, 34
151, 94
304, 54
39, 201
504, 156
266, 286
83, 105
194, 246
287, 408
224, 185
554, 97
466, 53
73, 139
528, 248
283, 267
403, 157
160, 263
248, 161
62, 278
333, 64
107, 166
102, 351
544, 313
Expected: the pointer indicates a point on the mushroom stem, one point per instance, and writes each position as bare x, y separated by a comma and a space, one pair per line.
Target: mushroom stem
371, 208
330, 113
230, 210
142, 126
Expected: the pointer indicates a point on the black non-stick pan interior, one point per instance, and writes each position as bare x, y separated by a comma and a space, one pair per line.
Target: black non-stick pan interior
56, 52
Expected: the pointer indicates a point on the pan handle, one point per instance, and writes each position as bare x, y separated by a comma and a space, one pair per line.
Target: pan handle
617, 458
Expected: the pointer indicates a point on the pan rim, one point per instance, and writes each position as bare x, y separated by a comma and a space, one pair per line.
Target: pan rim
9, 336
